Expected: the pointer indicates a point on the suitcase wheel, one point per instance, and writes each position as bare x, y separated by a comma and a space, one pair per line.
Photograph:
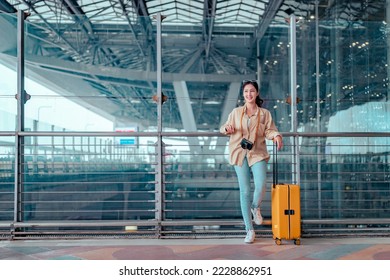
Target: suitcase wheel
278, 241
297, 242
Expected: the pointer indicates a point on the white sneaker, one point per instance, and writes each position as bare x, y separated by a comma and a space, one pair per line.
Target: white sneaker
250, 236
257, 218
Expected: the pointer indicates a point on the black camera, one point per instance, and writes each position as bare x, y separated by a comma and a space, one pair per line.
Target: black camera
246, 144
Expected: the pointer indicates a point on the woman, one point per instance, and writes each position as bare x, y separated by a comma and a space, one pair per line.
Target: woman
248, 127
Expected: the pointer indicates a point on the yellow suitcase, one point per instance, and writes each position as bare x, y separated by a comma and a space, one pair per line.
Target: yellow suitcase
286, 213
285, 208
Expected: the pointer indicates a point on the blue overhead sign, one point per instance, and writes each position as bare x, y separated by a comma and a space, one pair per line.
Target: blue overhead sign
126, 140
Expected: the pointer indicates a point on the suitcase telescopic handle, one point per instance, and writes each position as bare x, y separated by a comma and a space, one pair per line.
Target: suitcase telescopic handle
275, 165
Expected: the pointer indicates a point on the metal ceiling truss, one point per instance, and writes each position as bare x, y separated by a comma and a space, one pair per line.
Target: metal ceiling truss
82, 42
111, 44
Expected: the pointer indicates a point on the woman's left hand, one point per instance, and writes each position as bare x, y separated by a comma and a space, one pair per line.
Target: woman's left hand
279, 142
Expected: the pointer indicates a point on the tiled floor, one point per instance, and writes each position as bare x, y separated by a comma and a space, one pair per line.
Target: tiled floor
197, 249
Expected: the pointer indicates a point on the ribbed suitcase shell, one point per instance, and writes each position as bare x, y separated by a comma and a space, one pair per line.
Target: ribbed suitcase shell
286, 213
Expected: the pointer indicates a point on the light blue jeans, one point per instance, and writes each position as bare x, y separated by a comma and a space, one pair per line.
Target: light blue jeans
259, 171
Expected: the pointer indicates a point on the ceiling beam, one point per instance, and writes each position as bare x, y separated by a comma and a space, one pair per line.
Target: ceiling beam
123, 7
230, 104
78, 15
7, 7
194, 58
269, 13
112, 73
209, 9
186, 113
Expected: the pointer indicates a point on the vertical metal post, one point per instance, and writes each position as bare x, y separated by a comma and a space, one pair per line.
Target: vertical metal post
293, 89
19, 141
258, 70
319, 171
387, 19
159, 176
293, 73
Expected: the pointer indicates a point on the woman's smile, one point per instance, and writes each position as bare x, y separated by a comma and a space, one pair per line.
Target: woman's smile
250, 93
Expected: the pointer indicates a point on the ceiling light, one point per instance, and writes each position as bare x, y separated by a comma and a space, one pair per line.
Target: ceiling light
212, 102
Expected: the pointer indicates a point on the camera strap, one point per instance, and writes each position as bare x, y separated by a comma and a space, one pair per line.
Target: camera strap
258, 123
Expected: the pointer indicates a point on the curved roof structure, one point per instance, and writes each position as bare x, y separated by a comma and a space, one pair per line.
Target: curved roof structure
104, 52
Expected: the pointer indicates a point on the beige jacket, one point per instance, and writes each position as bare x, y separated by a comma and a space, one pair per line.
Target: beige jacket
266, 130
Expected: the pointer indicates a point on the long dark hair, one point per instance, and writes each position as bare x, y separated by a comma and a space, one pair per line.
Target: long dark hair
254, 83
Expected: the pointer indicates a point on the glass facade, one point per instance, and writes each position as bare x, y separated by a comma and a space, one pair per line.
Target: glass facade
91, 158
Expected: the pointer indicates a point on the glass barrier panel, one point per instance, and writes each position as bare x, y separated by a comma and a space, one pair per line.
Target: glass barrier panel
8, 67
